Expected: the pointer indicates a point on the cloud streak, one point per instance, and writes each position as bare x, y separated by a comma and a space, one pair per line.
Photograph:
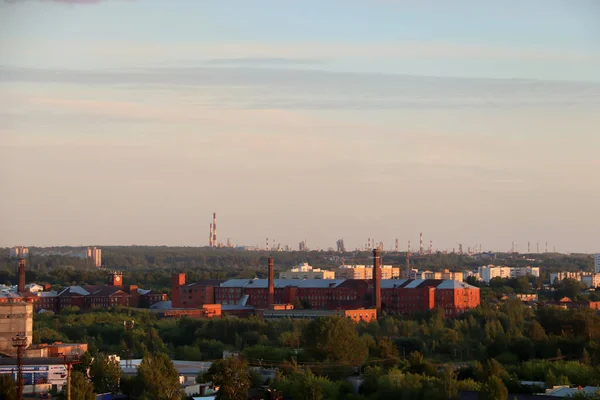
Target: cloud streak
289, 89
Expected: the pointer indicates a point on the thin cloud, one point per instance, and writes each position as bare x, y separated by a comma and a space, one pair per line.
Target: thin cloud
263, 61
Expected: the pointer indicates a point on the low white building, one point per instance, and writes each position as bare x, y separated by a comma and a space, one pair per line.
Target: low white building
444, 275
358, 271
305, 271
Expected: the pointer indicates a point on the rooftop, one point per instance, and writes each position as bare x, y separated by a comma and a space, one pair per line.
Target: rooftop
321, 283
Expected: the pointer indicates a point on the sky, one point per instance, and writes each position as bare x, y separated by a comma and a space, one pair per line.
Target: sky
131, 121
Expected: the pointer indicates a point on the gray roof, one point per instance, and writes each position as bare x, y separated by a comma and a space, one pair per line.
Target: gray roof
392, 283
568, 392
46, 294
325, 283
162, 305
75, 289
448, 284
281, 283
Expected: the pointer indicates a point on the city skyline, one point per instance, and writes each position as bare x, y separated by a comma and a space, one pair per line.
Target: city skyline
131, 122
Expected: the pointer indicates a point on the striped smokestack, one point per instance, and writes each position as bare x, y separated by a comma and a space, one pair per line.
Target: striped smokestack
271, 293
421, 243
377, 279
215, 229
21, 286
210, 236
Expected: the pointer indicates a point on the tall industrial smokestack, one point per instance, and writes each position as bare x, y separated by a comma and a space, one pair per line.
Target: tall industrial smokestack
420, 243
210, 236
21, 286
397, 245
214, 229
271, 294
377, 279
431, 247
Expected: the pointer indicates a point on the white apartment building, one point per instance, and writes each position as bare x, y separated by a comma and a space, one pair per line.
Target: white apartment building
591, 280
516, 272
587, 278
491, 271
365, 272
95, 254
19, 252
559, 276
305, 271
445, 275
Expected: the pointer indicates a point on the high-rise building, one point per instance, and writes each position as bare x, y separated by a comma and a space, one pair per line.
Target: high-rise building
597, 263
19, 252
95, 254
340, 246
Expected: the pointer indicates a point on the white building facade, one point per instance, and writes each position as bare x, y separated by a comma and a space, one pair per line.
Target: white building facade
305, 271
490, 272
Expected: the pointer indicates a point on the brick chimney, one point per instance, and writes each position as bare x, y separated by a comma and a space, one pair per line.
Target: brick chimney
271, 296
21, 286
377, 280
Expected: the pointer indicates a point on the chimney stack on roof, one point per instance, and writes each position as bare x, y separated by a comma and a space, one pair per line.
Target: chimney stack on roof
377, 279
21, 286
271, 296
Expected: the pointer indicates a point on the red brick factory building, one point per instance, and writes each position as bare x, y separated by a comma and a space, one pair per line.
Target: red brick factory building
115, 293
399, 296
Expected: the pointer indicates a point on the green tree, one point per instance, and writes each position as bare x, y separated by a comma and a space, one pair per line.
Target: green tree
494, 389
332, 338
537, 332
304, 385
81, 387
157, 378
232, 376
105, 373
550, 379
84, 363
387, 350
448, 387
8, 387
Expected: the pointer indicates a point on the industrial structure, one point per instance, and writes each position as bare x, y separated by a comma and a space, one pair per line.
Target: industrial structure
16, 318
340, 246
401, 296
115, 293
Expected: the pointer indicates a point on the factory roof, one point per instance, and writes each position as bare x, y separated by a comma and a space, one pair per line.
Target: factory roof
281, 283
74, 290
448, 284
326, 283
207, 282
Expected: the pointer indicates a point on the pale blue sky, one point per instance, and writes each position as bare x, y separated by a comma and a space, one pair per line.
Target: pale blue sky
132, 121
